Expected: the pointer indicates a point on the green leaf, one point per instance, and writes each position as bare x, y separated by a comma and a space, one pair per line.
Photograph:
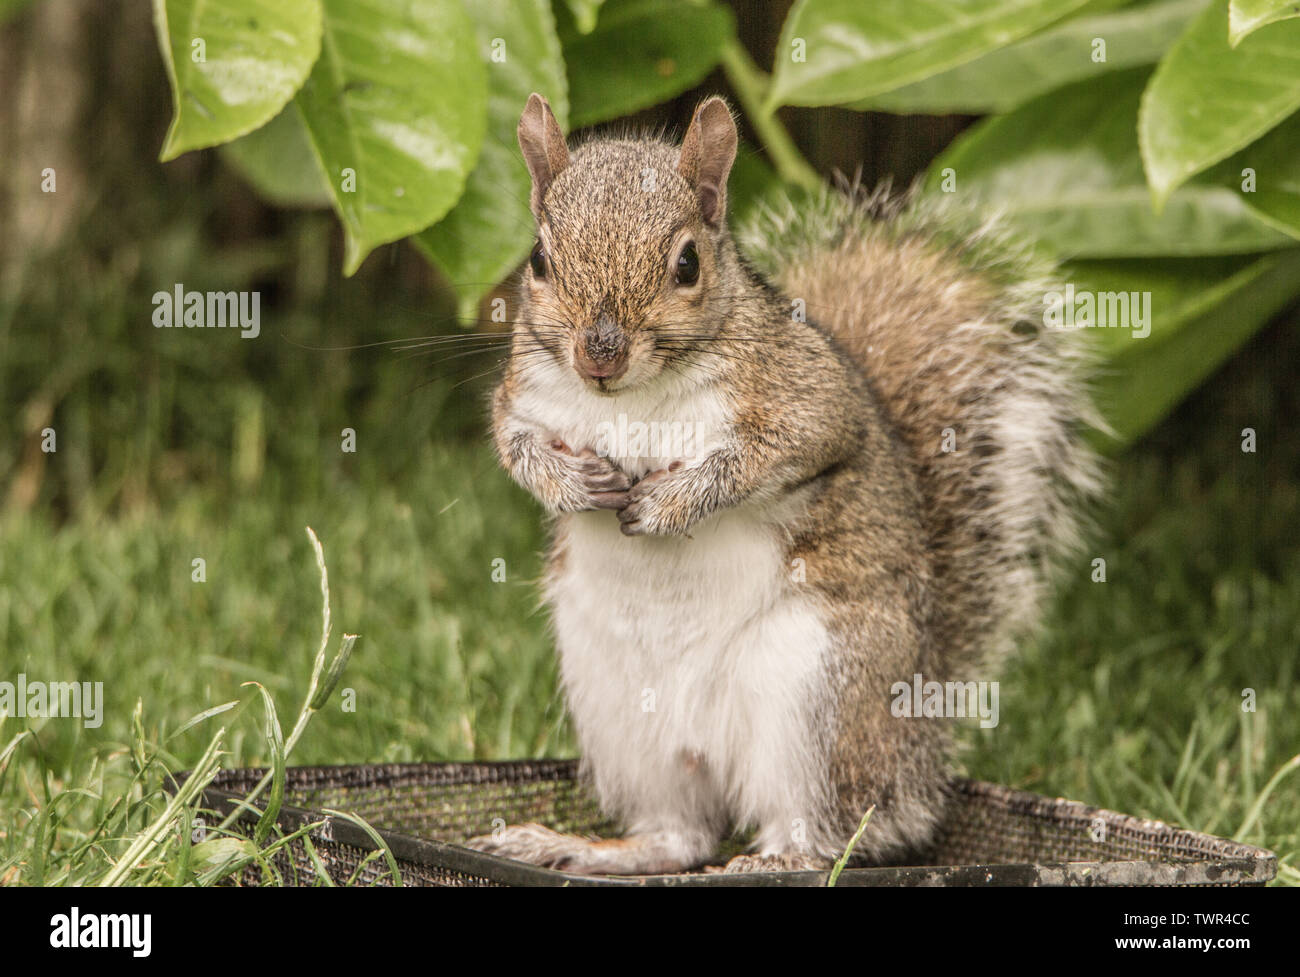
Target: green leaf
584, 14
11, 746
1181, 289
331, 678
1011, 76
1207, 100
837, 51
1065, 168
275, 743
381, 846
491, 229
1274, 162
279, 162
641, 52
1203, 310
1247, 16
233, 64
215, 851
398, 100
196, 719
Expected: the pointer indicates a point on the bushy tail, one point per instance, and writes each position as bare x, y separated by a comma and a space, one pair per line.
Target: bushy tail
943, 310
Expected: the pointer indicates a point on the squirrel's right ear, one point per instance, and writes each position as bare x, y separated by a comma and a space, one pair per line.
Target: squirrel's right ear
708, 150
543, 146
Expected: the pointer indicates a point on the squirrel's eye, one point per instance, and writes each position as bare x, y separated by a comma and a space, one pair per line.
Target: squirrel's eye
538, 261
688, 265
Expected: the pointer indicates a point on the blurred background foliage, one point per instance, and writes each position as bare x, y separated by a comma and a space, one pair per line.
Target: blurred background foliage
227, 174
1154, 145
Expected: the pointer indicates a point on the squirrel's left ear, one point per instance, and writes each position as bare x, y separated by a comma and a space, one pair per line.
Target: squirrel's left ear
543, 146
708, 150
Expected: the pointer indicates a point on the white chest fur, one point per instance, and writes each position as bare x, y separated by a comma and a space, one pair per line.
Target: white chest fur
676, 418
691, 666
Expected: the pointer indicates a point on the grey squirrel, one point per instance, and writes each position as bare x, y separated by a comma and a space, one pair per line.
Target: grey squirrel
764, 519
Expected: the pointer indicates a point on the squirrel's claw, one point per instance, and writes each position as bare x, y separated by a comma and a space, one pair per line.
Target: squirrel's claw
629, 517
652, 508
606, 485
609, 500
592, 482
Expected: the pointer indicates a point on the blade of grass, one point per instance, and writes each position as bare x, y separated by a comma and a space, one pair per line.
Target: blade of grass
1258, 807
364, 825
150, 838
205, 714
237, 863
322, 873
317, 692
848, 852
11, 746
279, 763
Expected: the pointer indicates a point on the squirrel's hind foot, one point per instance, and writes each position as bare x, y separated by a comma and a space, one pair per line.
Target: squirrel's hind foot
644, 854
787, 862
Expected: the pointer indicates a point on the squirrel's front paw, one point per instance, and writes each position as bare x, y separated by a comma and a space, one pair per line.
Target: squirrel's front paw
658, 505
584, 480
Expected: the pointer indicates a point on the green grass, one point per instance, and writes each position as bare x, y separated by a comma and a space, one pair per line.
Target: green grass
449, 665
1130, 699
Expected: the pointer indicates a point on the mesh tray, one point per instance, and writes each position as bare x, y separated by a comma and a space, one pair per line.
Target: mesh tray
992, 835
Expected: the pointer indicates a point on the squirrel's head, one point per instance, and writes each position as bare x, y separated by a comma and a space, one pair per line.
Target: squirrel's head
627, 273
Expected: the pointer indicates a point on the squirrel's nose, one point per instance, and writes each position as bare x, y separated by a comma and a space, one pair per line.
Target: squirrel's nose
602, 368
602, 353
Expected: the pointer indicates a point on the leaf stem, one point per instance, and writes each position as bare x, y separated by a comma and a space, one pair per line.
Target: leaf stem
750, 86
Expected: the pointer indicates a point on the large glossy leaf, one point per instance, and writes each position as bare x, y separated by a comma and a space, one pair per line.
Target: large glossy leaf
1276, 161
1181, 289
399, 100
1206, 100
1063, 53
278, 161
842, 51
641, 52
1247, 16
491, 228
1267, 176
233, 64
1202, 311
1065, 168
